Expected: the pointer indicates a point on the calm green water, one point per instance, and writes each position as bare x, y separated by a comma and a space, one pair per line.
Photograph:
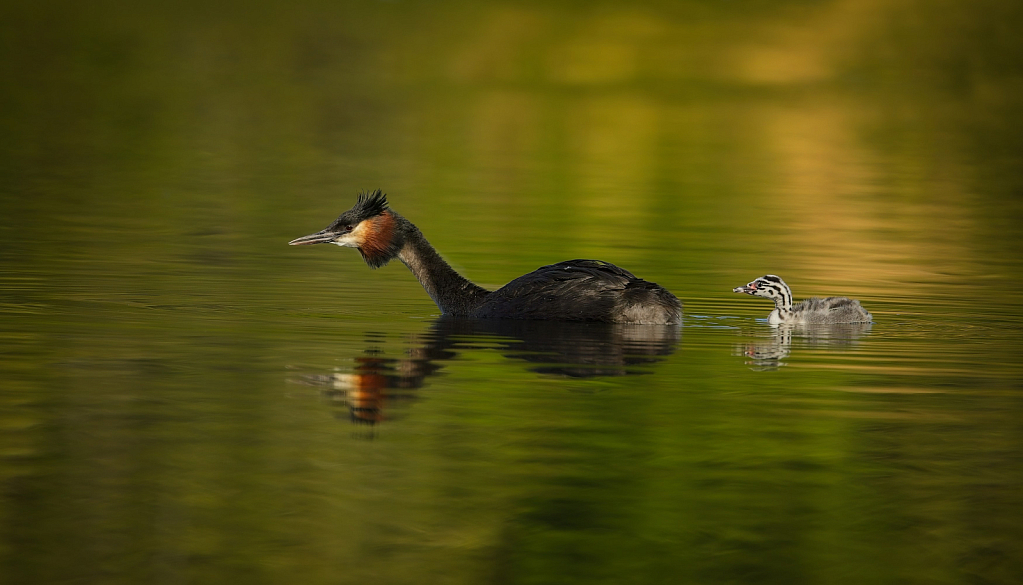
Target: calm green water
187, 399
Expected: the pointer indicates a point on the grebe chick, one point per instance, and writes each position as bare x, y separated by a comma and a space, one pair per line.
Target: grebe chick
576, 290
811, 311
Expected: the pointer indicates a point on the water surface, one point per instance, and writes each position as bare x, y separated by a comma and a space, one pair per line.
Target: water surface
186, 398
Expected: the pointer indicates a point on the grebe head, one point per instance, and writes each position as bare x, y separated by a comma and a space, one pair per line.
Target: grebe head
369, 226
768, 286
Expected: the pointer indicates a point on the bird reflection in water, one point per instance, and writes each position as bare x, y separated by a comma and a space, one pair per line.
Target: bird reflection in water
767, 354
376, 384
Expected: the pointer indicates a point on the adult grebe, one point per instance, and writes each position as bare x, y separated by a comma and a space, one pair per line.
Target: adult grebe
811, 311
577, 290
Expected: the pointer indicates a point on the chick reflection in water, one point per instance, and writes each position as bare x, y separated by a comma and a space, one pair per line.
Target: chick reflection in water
767, 354
377, 384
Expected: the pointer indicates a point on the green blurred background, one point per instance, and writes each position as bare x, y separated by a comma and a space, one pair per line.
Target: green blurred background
156, 157
845, 140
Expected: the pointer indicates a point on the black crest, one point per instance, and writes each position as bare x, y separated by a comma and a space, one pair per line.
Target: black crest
370, 204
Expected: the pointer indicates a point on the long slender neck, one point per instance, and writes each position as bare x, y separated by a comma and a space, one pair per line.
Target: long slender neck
784, 302
453, 293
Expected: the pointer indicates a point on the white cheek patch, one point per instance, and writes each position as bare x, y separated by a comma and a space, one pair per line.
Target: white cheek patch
354, 238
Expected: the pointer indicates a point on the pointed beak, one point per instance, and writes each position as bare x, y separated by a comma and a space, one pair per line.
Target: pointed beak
744, 289
321, 237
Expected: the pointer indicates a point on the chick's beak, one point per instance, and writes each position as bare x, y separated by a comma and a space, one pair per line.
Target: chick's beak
744, 289
321, 237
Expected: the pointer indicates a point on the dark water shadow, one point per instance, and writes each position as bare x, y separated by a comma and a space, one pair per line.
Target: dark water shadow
376, 383
769, 353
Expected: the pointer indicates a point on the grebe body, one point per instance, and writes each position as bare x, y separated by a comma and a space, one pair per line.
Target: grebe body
814, 310
576, 290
